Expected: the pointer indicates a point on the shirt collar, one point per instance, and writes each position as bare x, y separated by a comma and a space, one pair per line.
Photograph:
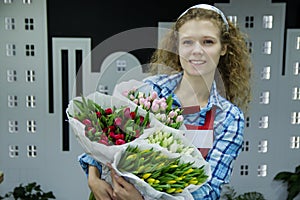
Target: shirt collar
168, 85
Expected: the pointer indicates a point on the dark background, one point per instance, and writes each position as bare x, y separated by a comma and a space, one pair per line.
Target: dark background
103, 19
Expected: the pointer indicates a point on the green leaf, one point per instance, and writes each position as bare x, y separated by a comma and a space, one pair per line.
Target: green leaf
91, 197
283, 176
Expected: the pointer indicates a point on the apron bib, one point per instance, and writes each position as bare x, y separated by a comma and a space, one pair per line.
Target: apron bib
201, 136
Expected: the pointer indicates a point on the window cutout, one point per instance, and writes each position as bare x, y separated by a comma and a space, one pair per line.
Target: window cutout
296, 68
298, 43
266, 73
13, 126
267, 47
264, 122
11, 75
263, 146
29, 24
295, 118
264, 97
10, 23
262, 170
11, 50
30, 101
244, 170
268, 21
30, 75
249, 21
103, 89
13, 151
296, 93
12, 101
29, 50
121, 65
8, 1
245, 146
295, 142
31, 126
232, 19
250, 46
247, 121
31, 151
27, 1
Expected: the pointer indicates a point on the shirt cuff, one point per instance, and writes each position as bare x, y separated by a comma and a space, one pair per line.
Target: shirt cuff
86, 160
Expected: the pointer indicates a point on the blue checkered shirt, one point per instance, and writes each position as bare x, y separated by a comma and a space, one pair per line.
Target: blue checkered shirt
228, 134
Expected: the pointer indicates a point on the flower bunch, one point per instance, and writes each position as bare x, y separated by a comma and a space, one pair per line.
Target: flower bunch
167, 140
110, 126
159, 171
160, 107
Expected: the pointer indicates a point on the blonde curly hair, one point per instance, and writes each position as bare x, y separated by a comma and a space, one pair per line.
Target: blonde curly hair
235, 66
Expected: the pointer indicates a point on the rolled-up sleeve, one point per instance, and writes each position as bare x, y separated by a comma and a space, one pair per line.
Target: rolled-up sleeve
86, 160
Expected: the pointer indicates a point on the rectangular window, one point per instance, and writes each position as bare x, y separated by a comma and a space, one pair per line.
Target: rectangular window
262, 170
13, 151
249, 21
30, 101
295, 118
263, 146
267, 47
27, 1
296, 93
268, 21
295, 142
11, 75
12, 101
29, 49
121, 65
264, 122
13, 126
8, 1
31, 126
9, 23
244, 170
30, 75
31, 151
103, 89
264, 97
298, 43
233, 19
29, 24
266, 73
11, 50
296, 68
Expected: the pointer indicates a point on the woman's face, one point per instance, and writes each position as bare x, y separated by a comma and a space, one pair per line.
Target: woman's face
199, 47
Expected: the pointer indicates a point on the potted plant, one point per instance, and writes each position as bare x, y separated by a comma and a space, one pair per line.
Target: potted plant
293, 182
230, 194
32, 191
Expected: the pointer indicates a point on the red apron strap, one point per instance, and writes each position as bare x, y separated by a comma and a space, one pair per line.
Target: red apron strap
208, 124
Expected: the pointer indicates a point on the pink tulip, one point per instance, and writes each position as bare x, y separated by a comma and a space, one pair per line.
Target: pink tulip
103, 142
154, 95
155, 107
87, 122
179, 118
127, 112
118, 121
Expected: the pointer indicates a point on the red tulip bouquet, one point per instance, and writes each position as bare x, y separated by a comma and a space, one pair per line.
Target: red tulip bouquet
103, 123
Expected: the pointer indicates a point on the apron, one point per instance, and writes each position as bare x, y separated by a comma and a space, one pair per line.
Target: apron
201, 136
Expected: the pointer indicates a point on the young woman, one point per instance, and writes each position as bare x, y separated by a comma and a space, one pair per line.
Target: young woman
201, 54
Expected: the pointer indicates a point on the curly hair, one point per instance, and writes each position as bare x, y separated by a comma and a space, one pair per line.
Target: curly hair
235, 66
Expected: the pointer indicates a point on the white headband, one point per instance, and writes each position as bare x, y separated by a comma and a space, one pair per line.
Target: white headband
208, 7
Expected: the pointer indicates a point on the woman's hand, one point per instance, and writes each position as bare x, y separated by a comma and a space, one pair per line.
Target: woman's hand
100, 189
122, 190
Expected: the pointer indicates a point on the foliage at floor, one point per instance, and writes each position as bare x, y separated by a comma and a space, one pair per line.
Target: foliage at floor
230, 194
31, 191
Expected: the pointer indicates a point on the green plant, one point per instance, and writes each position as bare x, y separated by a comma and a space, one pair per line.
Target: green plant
31, 191
230, 194
292, 180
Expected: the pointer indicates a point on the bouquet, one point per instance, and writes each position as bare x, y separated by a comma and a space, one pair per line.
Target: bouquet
149, 101
158, 173
101, 123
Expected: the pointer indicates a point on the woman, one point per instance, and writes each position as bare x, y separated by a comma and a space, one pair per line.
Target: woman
201, 47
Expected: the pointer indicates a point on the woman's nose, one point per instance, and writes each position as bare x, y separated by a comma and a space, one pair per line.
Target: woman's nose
198, 49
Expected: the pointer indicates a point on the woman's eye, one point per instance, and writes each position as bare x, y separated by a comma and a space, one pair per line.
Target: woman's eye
187, 42
208, 42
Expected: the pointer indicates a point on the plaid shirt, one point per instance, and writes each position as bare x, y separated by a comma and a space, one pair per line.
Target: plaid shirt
228, 134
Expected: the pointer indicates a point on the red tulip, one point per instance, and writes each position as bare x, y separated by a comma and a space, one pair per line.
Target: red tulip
132, 115
119, 136
87, 122
120, 142
98, 114
108, 111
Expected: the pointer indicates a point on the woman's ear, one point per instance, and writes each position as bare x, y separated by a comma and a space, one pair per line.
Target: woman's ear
223, 50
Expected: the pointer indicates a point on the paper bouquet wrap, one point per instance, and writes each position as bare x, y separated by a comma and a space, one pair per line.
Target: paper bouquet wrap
157, 159
98, 149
